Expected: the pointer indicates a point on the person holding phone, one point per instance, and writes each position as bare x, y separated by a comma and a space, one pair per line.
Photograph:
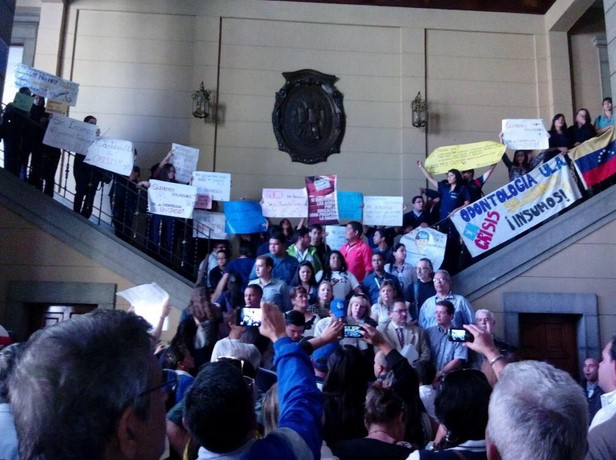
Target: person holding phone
447, 355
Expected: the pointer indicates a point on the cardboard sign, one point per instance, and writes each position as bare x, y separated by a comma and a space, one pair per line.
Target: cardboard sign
525, 134
383, 210
284, 202
463, 157
68, 134
115, 155
184, 161
210, 225
171, 199
45, 84
322, 200
215, 184
425, 242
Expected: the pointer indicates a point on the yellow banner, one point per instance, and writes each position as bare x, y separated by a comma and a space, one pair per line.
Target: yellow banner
465, 156
57, 107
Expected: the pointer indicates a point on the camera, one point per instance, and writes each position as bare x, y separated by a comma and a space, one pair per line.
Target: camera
249, 317
353, 332
458, 334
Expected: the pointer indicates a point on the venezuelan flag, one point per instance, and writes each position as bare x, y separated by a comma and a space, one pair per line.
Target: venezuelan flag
595, 159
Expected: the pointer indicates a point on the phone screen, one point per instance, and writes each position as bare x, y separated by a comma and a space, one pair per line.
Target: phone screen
353, 332
250, 317
460, 335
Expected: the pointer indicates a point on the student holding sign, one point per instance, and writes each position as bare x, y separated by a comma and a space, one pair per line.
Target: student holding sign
13, 130
87, 179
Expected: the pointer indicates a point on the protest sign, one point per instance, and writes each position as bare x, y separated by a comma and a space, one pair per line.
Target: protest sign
383, 210
148, 300
184, 161
58, 107
217, 186
425, 242
244, 217
465, 156
45, 84
350, 205
115, 155
517, 206
322, 200
284, 202
210, 225
171, 199
335, 236
68, 134
23, 102
525, 134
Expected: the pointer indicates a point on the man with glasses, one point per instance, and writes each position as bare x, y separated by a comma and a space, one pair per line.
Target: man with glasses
409, 340
90, 387
442, 284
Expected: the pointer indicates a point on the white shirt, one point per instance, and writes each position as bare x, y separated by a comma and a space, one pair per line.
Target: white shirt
607, 411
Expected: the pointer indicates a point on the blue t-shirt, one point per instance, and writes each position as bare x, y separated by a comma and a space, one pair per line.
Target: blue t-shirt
451, 199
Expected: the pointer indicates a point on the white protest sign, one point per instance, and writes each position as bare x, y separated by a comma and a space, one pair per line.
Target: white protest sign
171, 199
383, 210
184, 161
209, 225
516, 207
148, 301
68, 134
335, 236
217, 185
425, 242
115, 155
46, 85
525, 134
284, 202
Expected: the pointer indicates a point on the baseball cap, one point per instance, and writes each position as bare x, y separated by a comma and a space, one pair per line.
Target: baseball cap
338, 308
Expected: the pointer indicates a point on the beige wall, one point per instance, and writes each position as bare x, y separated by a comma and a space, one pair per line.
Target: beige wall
29, 254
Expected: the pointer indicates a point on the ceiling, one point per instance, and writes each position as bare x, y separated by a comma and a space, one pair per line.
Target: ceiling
504, 6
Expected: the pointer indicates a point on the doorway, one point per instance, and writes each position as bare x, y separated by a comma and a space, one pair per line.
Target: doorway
551, 338
42, 315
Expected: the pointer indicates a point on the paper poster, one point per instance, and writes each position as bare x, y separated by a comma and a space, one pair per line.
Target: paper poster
58, 107
184, 161
216, 185
425, 242
463, 157
171, 199
210, 225
23, 102
516, 207
383, 210
45, 84
350, 205
322, 200
335, 236
68, 134
525, 134
148, 301
284, 202
115, 155
244, 217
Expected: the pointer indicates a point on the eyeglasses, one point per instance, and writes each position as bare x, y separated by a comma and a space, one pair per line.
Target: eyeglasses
169, 383
404, 310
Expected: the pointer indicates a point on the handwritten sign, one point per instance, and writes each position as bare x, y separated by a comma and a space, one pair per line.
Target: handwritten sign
216, 185
23, 102
244, 217
350, 205
58, 107
184, 161
210, 225
284, 202
383, 210
322, 200
115, 155
425, 242
525, 134
148, 301
45, 84
465, 156
68, 134
335, 236
516, 207
171, 199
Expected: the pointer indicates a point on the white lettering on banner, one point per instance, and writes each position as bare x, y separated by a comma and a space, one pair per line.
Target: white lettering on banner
517, 206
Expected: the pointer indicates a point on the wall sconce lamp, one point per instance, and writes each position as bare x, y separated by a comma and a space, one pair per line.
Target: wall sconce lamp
201, 102
419, 109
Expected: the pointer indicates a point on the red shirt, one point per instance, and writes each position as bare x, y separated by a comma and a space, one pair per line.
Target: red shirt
358, 257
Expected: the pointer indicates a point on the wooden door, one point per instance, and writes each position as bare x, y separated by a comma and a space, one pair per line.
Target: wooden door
551, 338
43, 315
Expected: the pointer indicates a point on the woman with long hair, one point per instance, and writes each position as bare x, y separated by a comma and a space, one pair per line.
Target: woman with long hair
519, 166
305, 277
344, 393
582, 129
405, 272
380, 310
336, 272
559, 135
